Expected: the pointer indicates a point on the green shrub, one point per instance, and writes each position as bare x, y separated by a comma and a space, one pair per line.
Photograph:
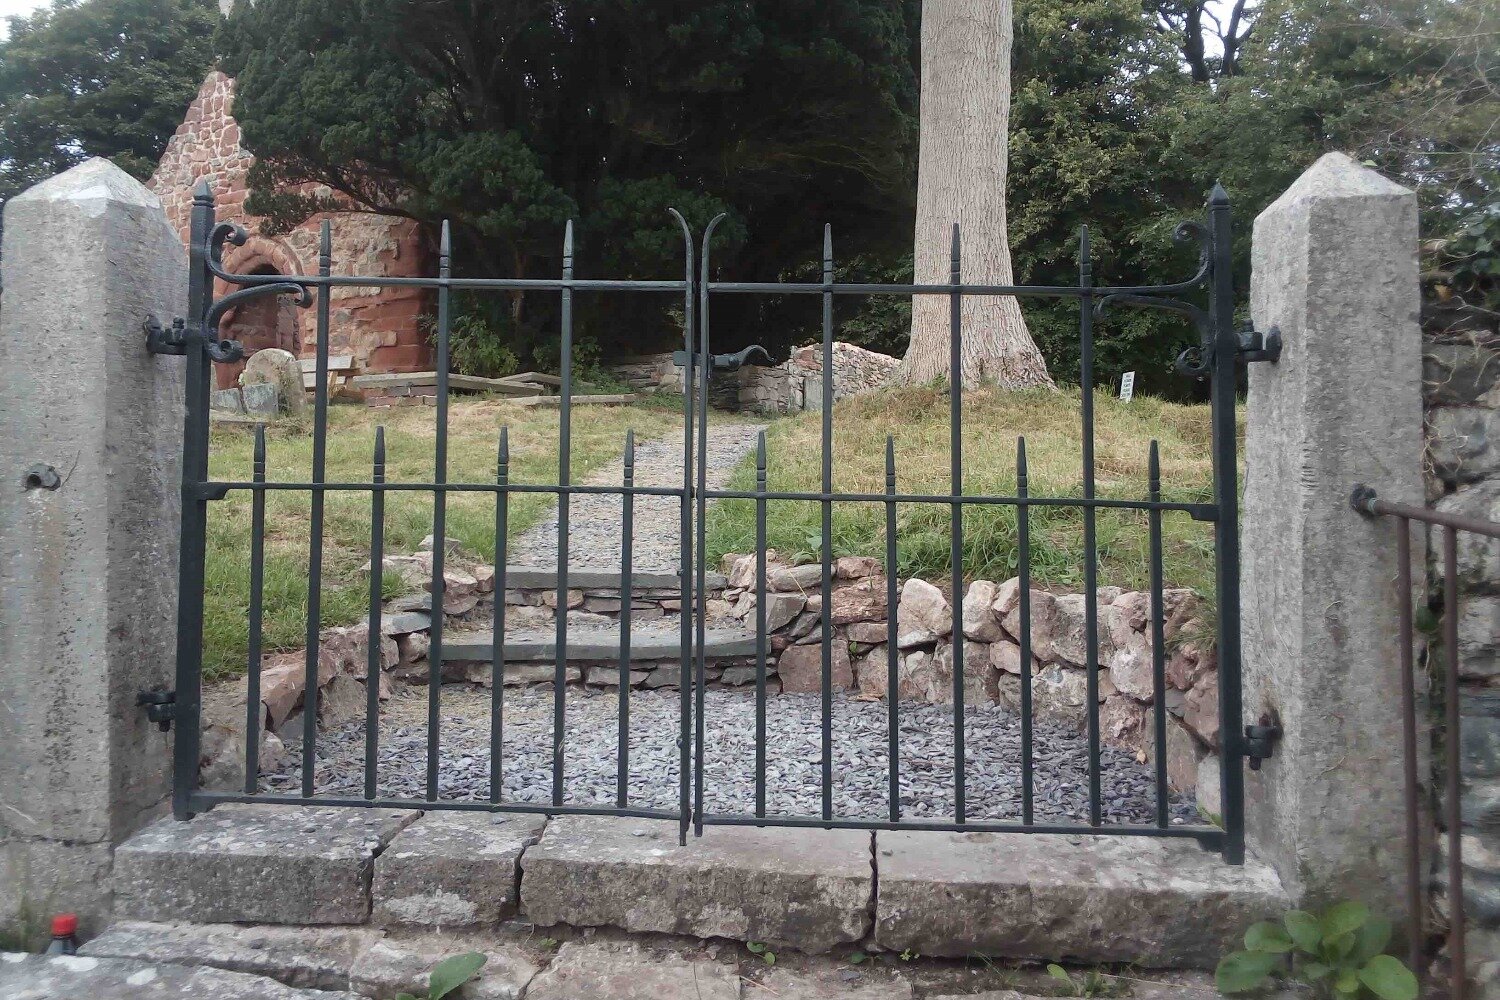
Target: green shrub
1340, 955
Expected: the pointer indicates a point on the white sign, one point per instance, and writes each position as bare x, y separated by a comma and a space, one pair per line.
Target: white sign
1127, 387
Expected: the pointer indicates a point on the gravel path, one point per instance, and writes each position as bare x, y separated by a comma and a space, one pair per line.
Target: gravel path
993, 783
595, 523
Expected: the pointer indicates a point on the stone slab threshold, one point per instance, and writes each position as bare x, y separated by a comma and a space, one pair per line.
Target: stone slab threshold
298, 963
1151, 902
593, 644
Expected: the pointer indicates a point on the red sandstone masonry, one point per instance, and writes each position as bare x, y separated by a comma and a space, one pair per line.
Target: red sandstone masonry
379, 328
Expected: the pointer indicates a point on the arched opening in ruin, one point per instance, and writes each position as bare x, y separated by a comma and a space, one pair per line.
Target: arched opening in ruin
266, 321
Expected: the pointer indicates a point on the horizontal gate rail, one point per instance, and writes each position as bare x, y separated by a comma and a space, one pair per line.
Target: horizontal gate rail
1215, 357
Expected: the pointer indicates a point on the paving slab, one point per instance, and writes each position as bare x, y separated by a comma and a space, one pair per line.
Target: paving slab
255, 864
310, 957
453, 870
803, 889
842, 982
39, 977
585, 970
1156, 902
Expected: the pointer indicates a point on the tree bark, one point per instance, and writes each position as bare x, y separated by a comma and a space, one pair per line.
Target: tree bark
961, 171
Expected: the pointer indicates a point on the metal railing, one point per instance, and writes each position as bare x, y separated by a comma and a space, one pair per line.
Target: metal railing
1367, 502
1215, 358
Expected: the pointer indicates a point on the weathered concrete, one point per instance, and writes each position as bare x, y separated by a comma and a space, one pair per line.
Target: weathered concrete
1335, 268
255, 864
34, 977
823, 982
453, 869
310, 957
803, 889
604, 971
1152, 902
87, 569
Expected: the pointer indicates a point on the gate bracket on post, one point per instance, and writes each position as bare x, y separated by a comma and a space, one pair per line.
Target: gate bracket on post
1257, 346
1259, 740
161, 707
161, 340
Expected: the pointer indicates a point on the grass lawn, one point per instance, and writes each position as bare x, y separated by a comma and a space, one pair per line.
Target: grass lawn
918, 418
474, 427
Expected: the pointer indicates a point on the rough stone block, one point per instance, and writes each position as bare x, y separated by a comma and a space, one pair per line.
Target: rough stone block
1149, 901
586, 970
38, 977
262, 400
453, 869
803, 889
255, 864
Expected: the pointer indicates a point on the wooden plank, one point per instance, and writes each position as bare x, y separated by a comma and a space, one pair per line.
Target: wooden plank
461, 383
577, 400
538, 377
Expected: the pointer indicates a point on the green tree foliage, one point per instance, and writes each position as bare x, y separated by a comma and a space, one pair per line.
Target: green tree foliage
109, 78
510, 116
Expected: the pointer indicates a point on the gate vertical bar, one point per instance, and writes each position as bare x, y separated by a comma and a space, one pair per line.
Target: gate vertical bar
186, 745
1158, 641
315, 531
1090, 519
892, 649
497, 627
760, 623
564, 509
439, 516
826, 540
374, 639
1227, 527
253, 715
700, 542
685, 536
1406, 628
627, 553
1452, 777
956, 524
1023, 543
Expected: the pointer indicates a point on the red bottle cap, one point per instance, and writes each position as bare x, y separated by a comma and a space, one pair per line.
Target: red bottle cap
65, 925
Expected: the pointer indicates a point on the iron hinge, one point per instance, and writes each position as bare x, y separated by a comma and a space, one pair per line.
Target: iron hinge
1259, 740
1257, 346
752, 355
161, 707
166, 340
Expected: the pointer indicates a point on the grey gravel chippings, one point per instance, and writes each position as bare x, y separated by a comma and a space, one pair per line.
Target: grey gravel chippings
793, 765
594, 520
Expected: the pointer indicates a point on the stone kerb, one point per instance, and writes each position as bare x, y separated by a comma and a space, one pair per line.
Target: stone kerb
1335, 270
88, 550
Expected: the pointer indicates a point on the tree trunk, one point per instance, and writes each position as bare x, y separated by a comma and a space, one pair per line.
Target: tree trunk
965, 113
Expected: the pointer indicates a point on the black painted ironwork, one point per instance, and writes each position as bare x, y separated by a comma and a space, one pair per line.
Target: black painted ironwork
1205, 299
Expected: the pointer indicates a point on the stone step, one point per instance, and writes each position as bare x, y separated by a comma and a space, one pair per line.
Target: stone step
595, 578
648, 641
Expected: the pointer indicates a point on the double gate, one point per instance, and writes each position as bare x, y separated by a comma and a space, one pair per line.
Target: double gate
1214, 359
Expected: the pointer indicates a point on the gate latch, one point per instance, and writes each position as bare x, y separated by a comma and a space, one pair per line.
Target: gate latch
1259, 740
752, 355
1257, 346
161, 707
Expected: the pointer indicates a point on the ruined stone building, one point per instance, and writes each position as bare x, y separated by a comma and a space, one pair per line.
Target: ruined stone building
380, 329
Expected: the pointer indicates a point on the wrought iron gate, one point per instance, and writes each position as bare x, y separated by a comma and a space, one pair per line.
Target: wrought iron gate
1215, 358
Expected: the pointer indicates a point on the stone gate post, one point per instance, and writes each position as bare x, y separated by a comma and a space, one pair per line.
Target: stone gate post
1335, 268
90, 439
